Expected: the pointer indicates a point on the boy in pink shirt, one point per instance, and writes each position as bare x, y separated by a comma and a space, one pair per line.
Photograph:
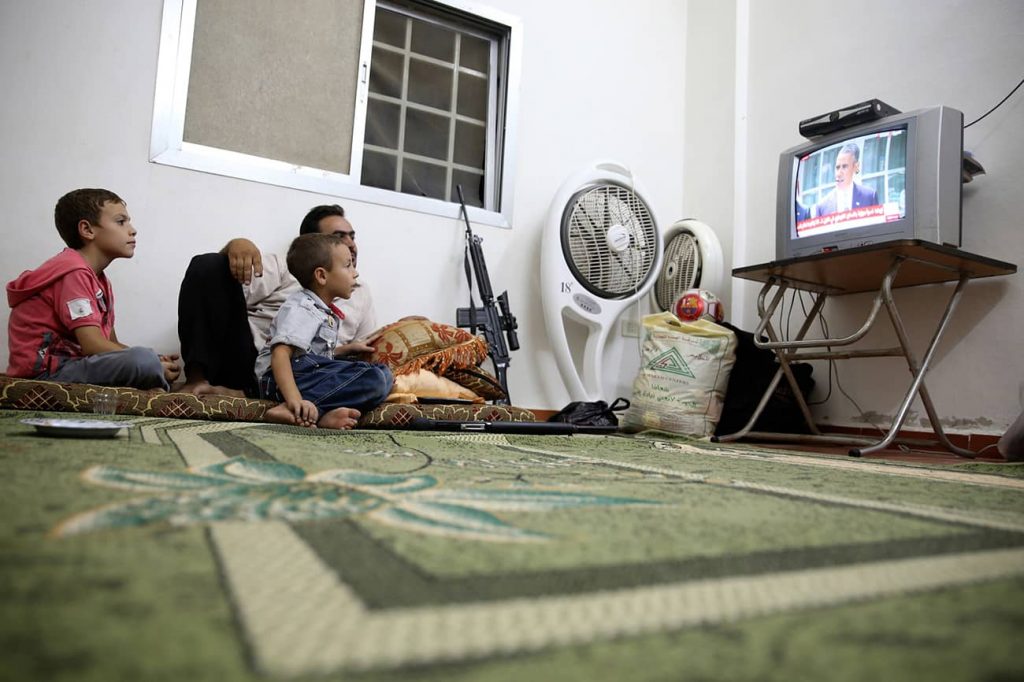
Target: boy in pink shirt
62, 313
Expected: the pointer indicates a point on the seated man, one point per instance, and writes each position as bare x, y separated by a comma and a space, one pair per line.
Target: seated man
229, 299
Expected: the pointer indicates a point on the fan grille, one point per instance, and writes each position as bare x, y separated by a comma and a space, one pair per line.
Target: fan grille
680, 269
601, 269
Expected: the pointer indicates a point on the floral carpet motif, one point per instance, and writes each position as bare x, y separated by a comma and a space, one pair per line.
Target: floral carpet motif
250, 490
225, 550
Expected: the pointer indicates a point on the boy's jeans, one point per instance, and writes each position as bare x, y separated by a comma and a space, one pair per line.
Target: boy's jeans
329, 383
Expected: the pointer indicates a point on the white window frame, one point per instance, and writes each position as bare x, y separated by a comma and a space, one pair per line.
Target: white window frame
168, 147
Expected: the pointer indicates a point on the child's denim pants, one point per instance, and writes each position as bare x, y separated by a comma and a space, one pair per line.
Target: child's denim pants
331, 383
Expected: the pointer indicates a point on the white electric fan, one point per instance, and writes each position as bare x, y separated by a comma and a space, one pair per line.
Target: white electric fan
600, 253
693, 260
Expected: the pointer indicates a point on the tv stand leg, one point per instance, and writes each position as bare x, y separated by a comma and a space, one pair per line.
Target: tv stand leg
918, 370
765, 326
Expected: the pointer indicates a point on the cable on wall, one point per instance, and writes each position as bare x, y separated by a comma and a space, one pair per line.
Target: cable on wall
996, 106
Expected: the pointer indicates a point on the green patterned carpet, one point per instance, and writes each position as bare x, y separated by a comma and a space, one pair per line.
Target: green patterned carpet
195, 550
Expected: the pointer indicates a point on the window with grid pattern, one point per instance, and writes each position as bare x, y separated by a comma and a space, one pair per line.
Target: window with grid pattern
397, 102
429, 122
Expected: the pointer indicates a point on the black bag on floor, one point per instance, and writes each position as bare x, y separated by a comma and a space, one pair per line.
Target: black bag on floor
751, 374
597, 413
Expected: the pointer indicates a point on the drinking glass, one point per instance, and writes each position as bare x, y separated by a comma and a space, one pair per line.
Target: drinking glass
104, 401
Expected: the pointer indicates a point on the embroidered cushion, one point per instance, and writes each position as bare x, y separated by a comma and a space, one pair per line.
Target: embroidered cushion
49, 396
418, 343
478, 380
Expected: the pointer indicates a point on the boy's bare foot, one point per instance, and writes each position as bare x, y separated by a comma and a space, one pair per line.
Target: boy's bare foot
280, 414
339, 418
204, 387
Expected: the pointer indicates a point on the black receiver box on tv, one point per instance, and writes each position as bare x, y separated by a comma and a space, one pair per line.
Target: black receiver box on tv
846, 117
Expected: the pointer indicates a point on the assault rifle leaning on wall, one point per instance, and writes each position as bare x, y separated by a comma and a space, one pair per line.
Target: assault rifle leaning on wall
493, 317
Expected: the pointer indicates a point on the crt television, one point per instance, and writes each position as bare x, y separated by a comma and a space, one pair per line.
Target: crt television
897, 177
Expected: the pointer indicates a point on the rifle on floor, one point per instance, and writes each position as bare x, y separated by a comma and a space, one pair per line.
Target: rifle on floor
493, 317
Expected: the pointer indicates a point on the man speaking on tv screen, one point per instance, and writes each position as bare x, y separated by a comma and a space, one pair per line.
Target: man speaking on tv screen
848, 193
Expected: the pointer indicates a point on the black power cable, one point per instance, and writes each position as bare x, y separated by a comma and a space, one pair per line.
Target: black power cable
996, 106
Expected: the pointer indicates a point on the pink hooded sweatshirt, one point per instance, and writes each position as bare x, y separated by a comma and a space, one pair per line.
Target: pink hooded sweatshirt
47, 305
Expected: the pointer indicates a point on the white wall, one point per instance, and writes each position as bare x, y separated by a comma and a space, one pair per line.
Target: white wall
807, 57
78, 78
709, 165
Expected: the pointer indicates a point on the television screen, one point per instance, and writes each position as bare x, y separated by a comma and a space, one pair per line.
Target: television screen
897, 177
854, 183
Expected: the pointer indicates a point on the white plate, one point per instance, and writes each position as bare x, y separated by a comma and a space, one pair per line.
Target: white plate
76, 428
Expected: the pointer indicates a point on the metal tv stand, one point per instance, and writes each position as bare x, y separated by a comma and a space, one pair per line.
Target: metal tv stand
879, 268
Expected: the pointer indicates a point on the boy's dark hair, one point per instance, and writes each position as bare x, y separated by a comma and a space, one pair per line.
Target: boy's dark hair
309, 252
78, 205
311, 223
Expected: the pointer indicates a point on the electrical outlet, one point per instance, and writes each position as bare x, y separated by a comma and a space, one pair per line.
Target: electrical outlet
631, 328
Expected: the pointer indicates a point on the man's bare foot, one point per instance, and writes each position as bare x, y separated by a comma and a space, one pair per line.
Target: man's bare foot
279, 414
204, 387
339, 418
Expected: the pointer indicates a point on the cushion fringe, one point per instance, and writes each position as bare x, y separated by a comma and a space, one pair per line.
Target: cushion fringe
468, 354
